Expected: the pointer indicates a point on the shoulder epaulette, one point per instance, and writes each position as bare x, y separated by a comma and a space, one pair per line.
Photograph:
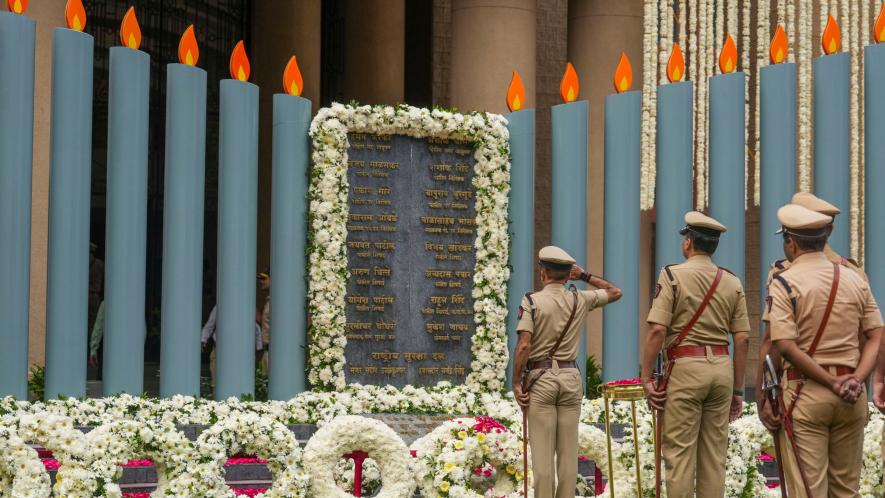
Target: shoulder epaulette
789, 290
727, 270
528, 296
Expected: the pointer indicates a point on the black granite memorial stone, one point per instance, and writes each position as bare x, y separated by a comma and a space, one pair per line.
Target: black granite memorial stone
411, 256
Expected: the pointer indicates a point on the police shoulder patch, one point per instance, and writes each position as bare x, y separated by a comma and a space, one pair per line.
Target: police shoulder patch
519, 313
768, 302
658, 290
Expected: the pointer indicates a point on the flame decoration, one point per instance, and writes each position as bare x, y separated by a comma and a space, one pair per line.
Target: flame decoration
623, 78
515, 93
130, 32
17, 6
239, 63
188, 49
569, 87
879, 28
293, 84
728, 56
75, 15
777, 51
832, 37
676, 64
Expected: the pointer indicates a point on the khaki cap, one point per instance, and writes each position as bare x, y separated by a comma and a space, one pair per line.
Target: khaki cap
702, 224
815, 203
556, 256
801, 221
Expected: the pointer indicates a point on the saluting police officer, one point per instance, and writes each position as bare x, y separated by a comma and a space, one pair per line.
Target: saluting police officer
546, 380
696, 306
815, 309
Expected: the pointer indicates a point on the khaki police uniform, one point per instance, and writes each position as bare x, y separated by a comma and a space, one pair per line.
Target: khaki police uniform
827, 430
700, 386
556, 393
814, 203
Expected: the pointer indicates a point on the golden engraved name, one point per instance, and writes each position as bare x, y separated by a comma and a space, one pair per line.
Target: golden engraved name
359, 271
437, 300
382, 325
438, 356
354, 163
411, 357
463, 274
359, 325
361, 217
458, 298
358, 299
383, 190
390, 218
434, 327
460, 248
383, 165
441, 167
385, 356
463, 194
436, 194
438, 220
438, 273
459, 327
383, 299
381, 271
433, 246
393, 370
359, 244
467, 221
364, 190
385, 245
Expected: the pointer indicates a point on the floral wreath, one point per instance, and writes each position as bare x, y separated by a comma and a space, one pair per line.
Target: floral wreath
115, 443
350, 433
21, 471
465, 455
68, 445
263, 437
327, 235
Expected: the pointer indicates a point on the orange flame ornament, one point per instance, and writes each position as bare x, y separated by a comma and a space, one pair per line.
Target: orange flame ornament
239, 63
676, 65
728, 56
293, 84
17, 6
879, 28
623, 79
515, 93
832, 38
130, 32
777, 51
568, 88
188, 50
75, 15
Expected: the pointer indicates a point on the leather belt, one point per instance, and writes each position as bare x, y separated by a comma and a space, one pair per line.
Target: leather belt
796, 374
694, 351
545, 364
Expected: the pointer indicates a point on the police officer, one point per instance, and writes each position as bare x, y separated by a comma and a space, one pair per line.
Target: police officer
816, 308
696, 306
547, 382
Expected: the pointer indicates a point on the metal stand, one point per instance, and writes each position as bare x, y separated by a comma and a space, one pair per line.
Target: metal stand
623, 392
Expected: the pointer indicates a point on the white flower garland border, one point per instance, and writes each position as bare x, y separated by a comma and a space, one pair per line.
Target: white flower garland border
21, 471
453, 480
255, 435
327, 233
350, 433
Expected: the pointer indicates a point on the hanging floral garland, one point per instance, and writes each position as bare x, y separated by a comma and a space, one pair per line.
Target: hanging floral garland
762, 41
856, 161
649, 68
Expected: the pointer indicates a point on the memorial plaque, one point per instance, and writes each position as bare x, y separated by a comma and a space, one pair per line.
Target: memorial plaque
411, 257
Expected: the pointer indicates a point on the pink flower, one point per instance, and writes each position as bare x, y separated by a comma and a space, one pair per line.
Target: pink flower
487, 473
414, 453
243, 461
50, 463
765, 457
138, 463
625, 382
772, 485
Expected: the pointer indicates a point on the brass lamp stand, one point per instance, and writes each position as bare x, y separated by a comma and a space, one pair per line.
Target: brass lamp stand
623, 392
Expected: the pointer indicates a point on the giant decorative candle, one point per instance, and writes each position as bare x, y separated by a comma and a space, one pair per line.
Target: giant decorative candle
623, 112
674, 161
183, 222
874, 130
521, 205
288, 314
832, 175
727, 158
69, 202
569, 182
777, 132
17, 37
126, 232
237, 219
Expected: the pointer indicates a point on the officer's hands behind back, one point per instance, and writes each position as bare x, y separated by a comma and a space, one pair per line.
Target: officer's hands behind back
656, 399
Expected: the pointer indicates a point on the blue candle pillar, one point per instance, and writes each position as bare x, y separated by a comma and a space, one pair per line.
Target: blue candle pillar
288, 311
832, 174
237, 220
874, 129
569, 182
777, 132
69, 202
126, 227
521, 210
620, 344
727, 159
17, 38
183, 223
673, 191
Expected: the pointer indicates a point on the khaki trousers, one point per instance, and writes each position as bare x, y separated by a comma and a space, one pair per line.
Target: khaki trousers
829, 434
695, 432
554, 410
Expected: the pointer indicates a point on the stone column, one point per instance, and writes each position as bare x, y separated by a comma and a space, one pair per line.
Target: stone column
598, 31
280, 29
49, 15
491, 39
374, 47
